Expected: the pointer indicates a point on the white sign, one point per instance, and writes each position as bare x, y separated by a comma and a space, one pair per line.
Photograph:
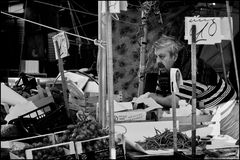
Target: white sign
63, 44
114, 6
225, 28
208, 29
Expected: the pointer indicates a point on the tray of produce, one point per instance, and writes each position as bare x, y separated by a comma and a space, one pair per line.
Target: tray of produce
19, 146
57, 151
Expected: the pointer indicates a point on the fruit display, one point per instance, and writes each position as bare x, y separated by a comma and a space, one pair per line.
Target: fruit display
84, 140
82, 131
51, 152
92, 145
19, 146
55, 151
98, 149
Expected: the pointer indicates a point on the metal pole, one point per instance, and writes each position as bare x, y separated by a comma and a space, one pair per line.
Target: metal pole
233, 48
194, 101
112, 149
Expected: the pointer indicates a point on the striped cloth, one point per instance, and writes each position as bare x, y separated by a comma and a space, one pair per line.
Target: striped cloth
209, 96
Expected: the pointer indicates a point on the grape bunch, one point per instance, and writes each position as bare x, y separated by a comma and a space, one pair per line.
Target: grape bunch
82, 131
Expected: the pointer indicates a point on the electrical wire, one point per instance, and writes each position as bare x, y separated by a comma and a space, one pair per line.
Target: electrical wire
80, 6
78, 20
81, 11
96, 42
49, 4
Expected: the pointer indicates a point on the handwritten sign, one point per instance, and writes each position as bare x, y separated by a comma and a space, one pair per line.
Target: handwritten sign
63, 44
208, 30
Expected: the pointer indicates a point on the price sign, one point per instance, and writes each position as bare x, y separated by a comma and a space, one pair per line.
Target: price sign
208, 29
63, 44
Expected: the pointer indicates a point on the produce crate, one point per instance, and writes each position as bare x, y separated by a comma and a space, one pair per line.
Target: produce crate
19, 146
103, 154
58, 136
59, 151
98, 148
46, 119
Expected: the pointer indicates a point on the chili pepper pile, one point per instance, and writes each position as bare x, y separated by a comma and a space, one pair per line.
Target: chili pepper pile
165, 140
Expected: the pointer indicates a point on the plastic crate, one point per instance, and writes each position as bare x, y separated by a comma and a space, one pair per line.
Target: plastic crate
46, 119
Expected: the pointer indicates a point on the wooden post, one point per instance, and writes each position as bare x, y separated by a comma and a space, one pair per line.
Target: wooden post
174, 119
100, 116
102, 66
233, 49
112, 149
223, 62
194, 100
64, 84
142, 54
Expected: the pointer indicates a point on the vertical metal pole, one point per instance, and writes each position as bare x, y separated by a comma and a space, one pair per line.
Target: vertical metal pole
64, 84
112, 148
194, 101
233, 48
142, 55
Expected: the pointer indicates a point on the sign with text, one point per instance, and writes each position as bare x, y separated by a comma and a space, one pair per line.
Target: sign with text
208, 29
63, 44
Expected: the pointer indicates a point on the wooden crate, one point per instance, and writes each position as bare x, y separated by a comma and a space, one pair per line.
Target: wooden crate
60, 151
18, 146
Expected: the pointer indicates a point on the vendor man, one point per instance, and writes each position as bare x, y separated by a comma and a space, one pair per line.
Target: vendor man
211, 89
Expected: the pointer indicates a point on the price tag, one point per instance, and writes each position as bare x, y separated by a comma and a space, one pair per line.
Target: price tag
63, 44
208, 30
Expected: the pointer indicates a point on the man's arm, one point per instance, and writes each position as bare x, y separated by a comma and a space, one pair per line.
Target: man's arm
166, 102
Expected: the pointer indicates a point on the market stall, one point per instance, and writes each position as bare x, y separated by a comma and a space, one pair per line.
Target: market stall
75, 116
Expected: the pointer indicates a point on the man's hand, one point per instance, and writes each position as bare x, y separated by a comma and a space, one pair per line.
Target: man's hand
166, 102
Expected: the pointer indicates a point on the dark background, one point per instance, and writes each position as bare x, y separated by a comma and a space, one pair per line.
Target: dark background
21, 40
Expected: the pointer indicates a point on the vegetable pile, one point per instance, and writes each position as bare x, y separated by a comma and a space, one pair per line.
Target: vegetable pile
165, 140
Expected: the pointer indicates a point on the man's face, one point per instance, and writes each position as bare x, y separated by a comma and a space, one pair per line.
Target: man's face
163, 57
